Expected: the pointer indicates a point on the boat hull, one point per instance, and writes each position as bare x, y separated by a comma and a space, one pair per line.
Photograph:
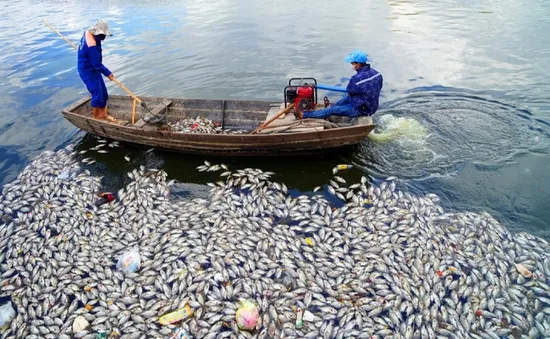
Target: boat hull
312, 142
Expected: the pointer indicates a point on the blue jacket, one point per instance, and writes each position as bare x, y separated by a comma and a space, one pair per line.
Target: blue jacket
90, 60
364, 90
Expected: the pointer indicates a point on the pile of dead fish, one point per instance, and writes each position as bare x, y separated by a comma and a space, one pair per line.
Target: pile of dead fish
385, 264
201, 125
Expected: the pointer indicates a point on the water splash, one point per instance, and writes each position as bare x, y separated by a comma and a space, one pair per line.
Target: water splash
392, 128
469, 148
434, 133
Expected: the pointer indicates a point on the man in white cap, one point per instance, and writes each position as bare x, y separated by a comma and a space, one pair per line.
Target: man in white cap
91, 68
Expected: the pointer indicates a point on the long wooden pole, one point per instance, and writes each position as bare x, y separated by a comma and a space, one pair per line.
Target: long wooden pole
62, 37
115, 80
264, 125
134, 112
125, 89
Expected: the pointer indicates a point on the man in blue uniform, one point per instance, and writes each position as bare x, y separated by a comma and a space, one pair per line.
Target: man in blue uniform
363, 91
91, 68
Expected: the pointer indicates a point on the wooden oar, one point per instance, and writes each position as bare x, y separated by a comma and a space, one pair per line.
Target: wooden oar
115, 80
265, 124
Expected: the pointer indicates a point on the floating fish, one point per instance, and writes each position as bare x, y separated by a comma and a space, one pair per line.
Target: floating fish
201, 125
381, 262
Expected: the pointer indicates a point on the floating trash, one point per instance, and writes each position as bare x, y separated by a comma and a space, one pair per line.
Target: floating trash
104, 197
399, 266
129, 262
247, 315
308, 316
343, 167
80, 324
524, 271
176, 316
179, 333
299, 318
7, 313
67, 173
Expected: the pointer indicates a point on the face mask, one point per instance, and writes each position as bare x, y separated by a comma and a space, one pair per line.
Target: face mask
101, 36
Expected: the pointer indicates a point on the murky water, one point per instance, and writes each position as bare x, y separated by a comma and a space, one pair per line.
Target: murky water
465, 110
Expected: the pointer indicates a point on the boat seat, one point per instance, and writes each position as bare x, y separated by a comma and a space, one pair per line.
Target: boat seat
159, 108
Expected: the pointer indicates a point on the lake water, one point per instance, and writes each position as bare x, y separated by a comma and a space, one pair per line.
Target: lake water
465, 107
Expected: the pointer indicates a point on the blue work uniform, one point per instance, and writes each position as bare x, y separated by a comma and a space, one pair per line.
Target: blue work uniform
363, 96
91, 69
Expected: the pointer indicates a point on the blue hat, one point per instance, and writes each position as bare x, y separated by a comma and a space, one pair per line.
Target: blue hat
357, 56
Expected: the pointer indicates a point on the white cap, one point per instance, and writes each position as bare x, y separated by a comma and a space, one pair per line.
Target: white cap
100, 27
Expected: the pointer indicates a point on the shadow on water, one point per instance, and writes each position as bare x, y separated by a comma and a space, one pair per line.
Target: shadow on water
301, 174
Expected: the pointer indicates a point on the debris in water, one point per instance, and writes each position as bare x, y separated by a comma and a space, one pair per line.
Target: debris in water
247, 315
80, 324
523, 271
398, 266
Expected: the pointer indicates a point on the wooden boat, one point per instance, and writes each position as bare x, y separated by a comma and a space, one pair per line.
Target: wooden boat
231, 114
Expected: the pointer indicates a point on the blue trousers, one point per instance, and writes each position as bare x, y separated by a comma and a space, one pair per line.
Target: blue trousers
97, 89
342, 108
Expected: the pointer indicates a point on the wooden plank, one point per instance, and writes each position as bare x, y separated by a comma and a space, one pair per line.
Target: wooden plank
165, 103
273, 111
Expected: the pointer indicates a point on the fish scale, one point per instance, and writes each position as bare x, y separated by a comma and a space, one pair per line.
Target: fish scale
382, 256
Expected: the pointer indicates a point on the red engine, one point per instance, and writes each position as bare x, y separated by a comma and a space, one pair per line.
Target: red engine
303, 96
304, 99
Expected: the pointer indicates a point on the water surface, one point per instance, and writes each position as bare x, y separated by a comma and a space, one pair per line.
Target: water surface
465, 104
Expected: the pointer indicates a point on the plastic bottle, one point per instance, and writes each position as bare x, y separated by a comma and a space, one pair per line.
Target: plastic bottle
344, 167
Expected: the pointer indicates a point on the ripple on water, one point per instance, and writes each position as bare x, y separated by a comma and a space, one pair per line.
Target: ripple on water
433, 133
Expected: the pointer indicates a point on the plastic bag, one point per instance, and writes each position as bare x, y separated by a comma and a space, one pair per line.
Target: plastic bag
129, 261
247, 315
7, 313
80, 324
178, 315
68, 173
180, 333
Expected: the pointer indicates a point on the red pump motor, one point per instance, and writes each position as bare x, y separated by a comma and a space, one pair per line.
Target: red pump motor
304, 96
